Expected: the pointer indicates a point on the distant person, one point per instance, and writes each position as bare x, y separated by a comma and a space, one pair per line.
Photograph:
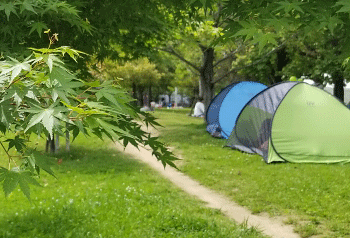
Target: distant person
199, 108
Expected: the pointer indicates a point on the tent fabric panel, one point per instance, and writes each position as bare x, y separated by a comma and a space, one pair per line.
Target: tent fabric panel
272, 155
234, 102
214, 130
212, 115
253, 127
311, 126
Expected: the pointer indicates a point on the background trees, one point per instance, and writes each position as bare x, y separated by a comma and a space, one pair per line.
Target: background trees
138, 76
197, 45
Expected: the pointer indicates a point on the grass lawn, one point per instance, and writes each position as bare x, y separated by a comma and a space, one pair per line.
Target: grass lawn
315, 198
102, 193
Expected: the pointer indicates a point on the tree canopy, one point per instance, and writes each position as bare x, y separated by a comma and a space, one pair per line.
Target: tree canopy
198, 45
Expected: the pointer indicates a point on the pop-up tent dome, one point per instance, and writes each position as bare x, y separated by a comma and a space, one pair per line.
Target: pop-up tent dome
294, 122
225, 107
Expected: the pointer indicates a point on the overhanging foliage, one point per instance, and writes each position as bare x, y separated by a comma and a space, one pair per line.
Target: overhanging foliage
40, 95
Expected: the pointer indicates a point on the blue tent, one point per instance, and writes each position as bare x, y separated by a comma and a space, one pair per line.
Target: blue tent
225, 107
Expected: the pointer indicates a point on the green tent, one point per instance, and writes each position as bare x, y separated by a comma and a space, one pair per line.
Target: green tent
294, 122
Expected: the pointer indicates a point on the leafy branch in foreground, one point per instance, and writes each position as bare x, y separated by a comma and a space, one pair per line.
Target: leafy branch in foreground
39, 95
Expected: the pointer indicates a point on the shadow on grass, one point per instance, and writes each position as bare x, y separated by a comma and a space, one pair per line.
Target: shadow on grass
65, 221
106, 159
63, 217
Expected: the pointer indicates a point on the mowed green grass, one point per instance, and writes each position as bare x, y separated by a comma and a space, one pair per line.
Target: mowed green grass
102, 193
315, 198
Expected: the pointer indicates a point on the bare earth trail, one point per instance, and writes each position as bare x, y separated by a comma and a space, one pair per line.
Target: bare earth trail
268, 226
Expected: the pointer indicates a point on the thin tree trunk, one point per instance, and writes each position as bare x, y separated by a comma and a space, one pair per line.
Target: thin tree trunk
282, 61
194, 101
338, 90
149, 95
140, 96
50, 144
57, 143
67, 139
134, 93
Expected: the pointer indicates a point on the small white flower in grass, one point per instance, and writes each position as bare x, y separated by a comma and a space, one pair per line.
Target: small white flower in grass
71, 201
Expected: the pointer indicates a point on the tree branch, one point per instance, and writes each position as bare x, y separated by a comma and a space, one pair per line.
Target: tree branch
227, 18
180, 57
227, 56
251, 64
192, 71
8, 155
217, 16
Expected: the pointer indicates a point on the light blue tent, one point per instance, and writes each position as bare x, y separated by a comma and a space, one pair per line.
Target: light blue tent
227, 105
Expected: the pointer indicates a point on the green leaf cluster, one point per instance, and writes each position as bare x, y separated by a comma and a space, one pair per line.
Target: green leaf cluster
22, 23
271, 22
40, 95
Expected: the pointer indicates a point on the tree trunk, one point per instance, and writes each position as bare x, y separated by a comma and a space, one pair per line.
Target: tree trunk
67, 139
206, 76
281, 62
194, 100
140, 96
134, 92
50, 144
57, 143
338, 90
149, 95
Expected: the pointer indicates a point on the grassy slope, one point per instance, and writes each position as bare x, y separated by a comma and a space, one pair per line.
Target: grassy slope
102, 193
313, 197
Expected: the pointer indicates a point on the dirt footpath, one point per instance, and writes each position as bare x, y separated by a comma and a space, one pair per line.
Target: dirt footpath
268, 226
